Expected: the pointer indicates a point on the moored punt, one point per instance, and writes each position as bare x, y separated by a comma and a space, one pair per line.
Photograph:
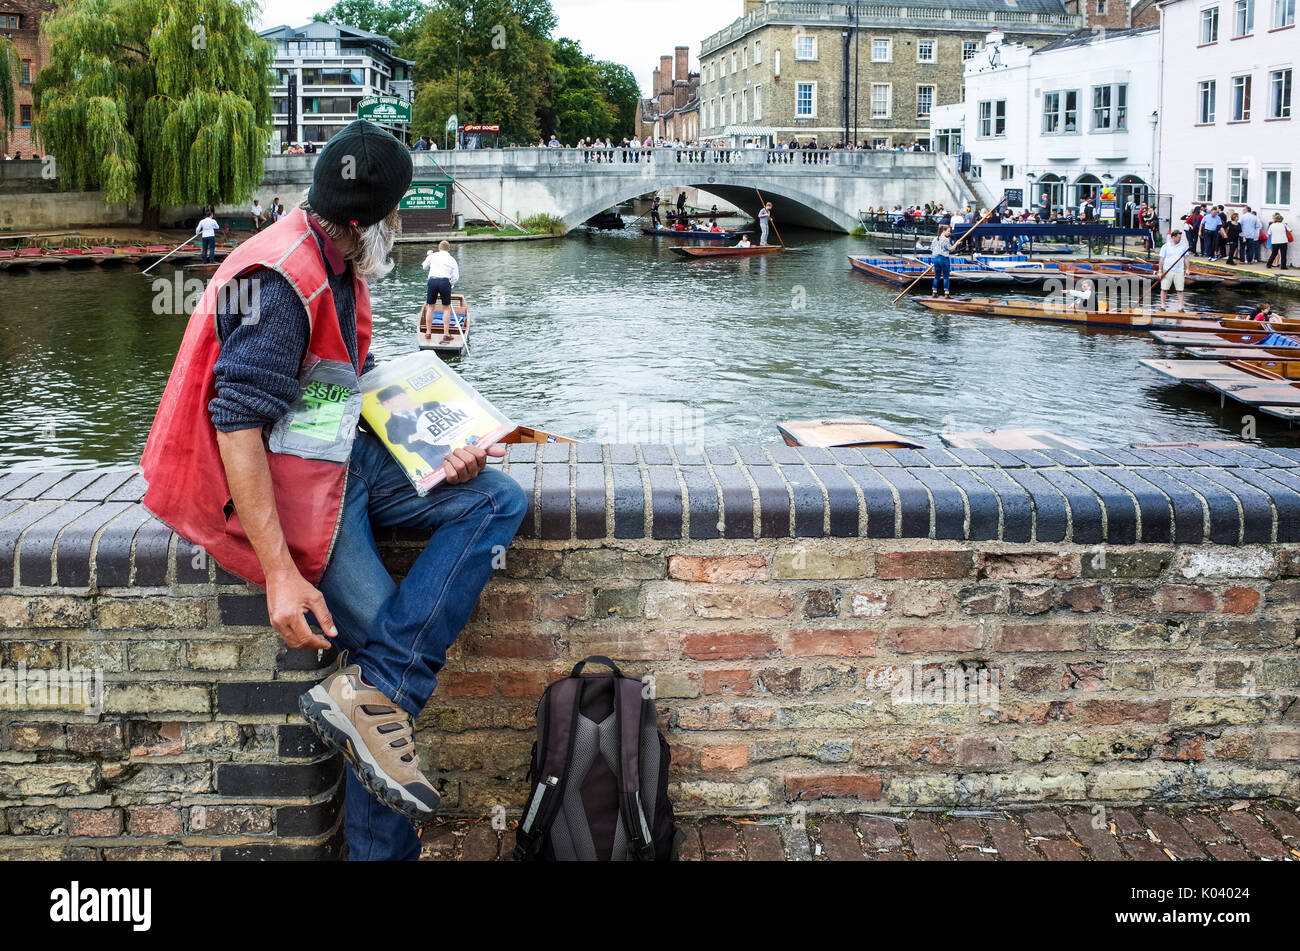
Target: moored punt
1241, 353
45, 258
1203, 375
1062, 313
1008, 439
728, 252
1226, 338
1261, 394
697, 234
443, 336
527, 435
903, 271
849, 433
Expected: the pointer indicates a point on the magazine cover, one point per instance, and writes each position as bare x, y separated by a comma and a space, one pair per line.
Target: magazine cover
422, 410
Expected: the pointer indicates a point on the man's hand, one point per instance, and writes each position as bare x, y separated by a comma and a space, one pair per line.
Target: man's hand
465, 463
288, 597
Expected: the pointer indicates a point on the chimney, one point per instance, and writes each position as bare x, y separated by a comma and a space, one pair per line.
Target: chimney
683, 57
752, 5
655, 85
666, 72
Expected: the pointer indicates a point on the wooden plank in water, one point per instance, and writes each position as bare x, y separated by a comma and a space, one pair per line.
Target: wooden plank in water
842, 434
1009, 439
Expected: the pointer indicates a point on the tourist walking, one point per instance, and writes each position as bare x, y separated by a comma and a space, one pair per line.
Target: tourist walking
1279, 238
1173, 266
276, 489
764, 222
1251, 228
207, 229
941, 260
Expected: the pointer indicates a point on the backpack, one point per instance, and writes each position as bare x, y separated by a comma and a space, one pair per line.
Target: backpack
599, 775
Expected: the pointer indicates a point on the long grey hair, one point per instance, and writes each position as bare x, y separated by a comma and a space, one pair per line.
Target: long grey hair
367, 248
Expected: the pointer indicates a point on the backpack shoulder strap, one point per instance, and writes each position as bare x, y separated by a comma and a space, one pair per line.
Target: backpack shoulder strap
562, 701
629, 708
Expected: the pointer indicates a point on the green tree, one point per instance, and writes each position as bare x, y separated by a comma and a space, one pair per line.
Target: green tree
399, 20
577, 103
168, 101
8, 79
623, 92
503, 51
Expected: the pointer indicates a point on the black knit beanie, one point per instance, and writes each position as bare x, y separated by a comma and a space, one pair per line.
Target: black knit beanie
360, 176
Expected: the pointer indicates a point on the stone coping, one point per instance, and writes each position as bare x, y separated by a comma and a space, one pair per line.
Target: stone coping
72, 528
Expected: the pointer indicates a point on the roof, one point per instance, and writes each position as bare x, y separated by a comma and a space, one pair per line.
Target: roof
1087, 37
985, 6
317, 31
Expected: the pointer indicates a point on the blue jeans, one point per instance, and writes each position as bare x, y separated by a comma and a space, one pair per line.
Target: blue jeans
399, 634
209, 249
942, 268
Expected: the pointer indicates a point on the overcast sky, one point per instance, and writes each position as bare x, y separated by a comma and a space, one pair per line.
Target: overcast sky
632, 32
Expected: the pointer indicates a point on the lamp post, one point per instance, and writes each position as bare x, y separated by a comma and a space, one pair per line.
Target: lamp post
458, 92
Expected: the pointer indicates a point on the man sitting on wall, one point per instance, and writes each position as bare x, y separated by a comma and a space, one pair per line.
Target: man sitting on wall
255, 455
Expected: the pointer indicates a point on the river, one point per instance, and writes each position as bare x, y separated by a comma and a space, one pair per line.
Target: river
610, 336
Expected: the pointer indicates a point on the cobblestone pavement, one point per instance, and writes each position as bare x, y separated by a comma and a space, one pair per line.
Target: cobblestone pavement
1258, 831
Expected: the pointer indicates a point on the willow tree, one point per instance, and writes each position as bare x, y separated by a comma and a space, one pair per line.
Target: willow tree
166, 101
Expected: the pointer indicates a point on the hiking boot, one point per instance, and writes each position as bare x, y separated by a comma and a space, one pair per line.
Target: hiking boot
376, 736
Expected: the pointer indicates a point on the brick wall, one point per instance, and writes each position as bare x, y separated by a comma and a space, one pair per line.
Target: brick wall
31, 44
823, 630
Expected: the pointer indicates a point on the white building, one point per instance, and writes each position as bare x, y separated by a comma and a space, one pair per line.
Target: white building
1228, 130
1065, 120
333, 68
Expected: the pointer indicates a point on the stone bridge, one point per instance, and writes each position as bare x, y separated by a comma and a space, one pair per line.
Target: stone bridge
821, 189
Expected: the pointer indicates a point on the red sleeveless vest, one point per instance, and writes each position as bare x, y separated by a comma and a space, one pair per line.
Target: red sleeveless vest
307, 450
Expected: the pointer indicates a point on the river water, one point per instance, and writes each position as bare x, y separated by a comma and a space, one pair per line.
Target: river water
612, 337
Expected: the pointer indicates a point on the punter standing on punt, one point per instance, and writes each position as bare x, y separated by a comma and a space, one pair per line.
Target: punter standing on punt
1173, 265
444, 272
764, 222
940, 251
255, 456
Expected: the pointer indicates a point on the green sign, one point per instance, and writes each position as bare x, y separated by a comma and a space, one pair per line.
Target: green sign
426, 196
391, 109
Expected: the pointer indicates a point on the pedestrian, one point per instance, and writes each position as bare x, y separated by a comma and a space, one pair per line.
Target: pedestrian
1192, 222
258, 215
275, 488
941, 260
444, 272
764, 222
1150, 221
1279, 237
1231, 232
1211, 223
1173, 266
1251, 228
207, 229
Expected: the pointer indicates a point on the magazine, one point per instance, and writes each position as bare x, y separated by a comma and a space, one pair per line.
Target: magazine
421, 410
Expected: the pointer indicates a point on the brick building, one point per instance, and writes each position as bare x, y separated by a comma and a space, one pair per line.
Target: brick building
1115, 14
20, 22
835, 71
673, 110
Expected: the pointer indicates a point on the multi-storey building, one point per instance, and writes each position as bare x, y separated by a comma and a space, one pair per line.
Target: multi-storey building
332, 69
1229, 132
1065, 120
851, 71
673, 110
20, 23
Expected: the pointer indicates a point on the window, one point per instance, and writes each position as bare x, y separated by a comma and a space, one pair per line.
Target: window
735, 59
969, 49
1283, 13
1277, 186
1205, 101
1101, 7
993, 117
1210, 25
1240, 98
882, 51
1061, 111
1110, 107
1279, 94
735, 109
25, 72
880, 100
744, 58
977, 171
24, 116
758, 51
744, 106
1238, 184
924, 100
776, 63
805, 99
1205, 184
758, 102
805, 47
722, 66
13, 22
1008, 172
1243, 18
925, 51
880, 143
